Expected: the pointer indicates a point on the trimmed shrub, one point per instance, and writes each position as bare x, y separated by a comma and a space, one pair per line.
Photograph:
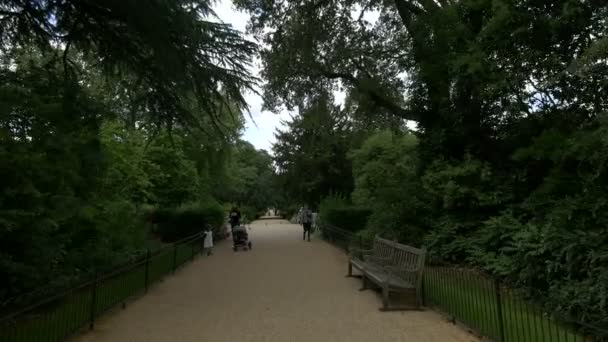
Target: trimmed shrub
289, 211
248, 214
350, 218
336, 211
174, 224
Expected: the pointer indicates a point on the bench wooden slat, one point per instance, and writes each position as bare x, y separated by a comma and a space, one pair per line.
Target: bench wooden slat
382, 276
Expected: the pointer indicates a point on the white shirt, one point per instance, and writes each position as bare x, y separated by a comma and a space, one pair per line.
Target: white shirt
208, 241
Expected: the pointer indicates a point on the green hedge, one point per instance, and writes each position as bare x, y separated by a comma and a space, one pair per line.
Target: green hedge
248, 214
287, 212
352, 218
172, 224
336, 211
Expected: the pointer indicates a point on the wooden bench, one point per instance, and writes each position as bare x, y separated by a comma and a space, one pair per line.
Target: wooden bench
393, 267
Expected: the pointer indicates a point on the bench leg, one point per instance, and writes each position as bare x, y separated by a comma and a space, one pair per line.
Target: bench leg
387, 307
418, 299
384, 298
364, 287
350, 270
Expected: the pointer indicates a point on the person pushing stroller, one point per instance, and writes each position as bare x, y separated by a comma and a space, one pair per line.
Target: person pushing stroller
235, 221
240, 237
235, 217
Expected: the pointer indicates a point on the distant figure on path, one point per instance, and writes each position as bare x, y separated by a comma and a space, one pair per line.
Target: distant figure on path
208, 241
306, 222
235, 217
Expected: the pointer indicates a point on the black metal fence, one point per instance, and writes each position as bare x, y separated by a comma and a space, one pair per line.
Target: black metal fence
495, 311
483, 304
464, 295
57, 317
340, 237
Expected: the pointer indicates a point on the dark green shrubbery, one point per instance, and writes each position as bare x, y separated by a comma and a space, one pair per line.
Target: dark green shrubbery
542, 229
335, 211
287, 212
174, 224
350, 218
248, 214
384, 168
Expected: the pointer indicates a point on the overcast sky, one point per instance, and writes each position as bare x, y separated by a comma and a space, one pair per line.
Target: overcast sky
261, 126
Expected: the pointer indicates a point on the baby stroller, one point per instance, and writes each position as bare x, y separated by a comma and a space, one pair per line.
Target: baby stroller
240, 238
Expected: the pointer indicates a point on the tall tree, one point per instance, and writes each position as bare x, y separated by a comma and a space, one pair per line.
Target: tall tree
248, 178
503, 92
74, 178
461, 69
311, 154
165, 50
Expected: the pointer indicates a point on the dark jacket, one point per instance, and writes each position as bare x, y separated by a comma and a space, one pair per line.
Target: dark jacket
235, 217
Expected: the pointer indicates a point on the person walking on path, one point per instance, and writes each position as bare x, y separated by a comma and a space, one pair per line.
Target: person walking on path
208, 241
306, 222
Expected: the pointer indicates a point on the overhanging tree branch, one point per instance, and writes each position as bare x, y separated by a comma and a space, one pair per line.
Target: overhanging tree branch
375, 94
405, 5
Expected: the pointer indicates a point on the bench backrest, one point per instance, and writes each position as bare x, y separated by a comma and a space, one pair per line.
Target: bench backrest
410, 259
383, 248
402, 256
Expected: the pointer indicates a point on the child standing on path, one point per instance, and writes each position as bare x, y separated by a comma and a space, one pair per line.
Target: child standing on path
208, 241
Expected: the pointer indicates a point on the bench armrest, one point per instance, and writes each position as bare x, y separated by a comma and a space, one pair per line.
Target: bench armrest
377, 259
398, 269
358, 252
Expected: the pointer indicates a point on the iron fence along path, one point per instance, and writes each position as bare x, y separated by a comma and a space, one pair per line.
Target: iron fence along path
483, 304
472, 298
57, 317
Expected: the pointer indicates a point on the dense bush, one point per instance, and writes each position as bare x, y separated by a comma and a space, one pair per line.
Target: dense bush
550, 242
349, 218
385, 168
335, 211
248, 214
174, 224
288, 211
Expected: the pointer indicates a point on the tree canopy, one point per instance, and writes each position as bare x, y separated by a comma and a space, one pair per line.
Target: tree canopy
509, 97
166, 53
311, 154
108, 108
113, 114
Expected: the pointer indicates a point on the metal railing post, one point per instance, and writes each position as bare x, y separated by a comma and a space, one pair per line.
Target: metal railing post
93, 302
193, 243
174, 257
422, 290
501, 326
147, 270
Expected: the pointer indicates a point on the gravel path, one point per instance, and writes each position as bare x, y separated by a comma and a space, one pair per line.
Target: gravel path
283, 290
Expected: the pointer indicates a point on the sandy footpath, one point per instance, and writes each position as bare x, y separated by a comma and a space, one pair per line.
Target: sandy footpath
283, 290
